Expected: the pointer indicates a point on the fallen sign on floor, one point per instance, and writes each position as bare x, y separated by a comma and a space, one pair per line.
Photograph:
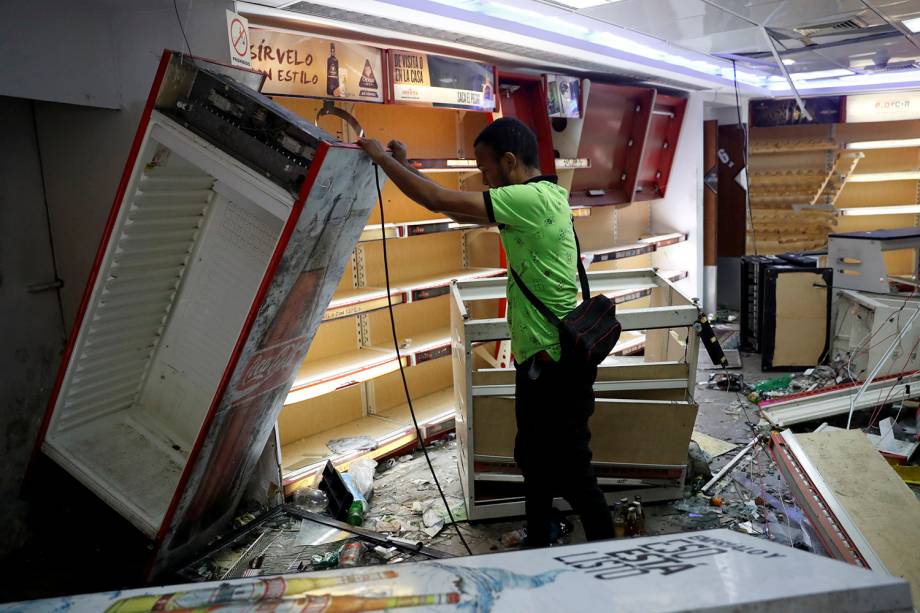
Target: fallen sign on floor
862, 511
821, 404
711, 445
732, 355
650, 574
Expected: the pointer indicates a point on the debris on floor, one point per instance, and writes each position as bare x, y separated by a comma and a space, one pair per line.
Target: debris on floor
712, 446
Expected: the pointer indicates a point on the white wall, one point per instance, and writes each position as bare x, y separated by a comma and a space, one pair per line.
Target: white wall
84, 149
58, 51
74, 57
681, 210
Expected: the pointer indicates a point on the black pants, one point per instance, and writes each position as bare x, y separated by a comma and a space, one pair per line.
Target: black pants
552, 448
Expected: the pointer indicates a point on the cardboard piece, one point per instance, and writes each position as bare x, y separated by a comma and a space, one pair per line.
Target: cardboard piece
875, 499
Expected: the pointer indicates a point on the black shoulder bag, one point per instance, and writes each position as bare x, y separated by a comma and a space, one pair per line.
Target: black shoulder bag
590, 331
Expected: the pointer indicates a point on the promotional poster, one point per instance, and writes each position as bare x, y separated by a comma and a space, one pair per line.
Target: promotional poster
311, 67
563, 95
421, 78
714, 569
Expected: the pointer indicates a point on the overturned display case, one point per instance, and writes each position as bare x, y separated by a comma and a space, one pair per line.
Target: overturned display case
231, 227
644, 413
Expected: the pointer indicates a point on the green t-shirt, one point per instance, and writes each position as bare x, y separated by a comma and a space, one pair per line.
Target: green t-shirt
536, 231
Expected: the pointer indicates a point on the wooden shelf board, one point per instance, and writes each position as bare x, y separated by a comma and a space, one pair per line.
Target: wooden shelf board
628, 295
428, 409
432, 286
876, 177
645, 245
611, 197
391, 428
426, 165
367, 299
630, 343
312, 450
359, 300
318, 377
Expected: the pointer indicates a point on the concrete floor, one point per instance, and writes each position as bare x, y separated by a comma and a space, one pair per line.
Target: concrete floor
81, 545
409, 481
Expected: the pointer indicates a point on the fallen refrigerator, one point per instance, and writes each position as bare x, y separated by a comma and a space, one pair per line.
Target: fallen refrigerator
231, 227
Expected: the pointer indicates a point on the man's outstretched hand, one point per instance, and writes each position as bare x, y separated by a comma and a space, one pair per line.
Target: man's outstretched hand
400, 152
376, 151
373, 148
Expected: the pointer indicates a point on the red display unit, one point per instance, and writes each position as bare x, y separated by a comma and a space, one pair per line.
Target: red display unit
231, 227
523, 97
616, 125
659, 147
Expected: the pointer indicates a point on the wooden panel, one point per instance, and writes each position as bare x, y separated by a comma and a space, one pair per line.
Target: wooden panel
310, 417
633, 222
732, 211
880, 505
624, 372
426, 378
596, 231
398, 208
418, 257
333, 338
414, 321
483, 248
622, 431
890, 160
800, 327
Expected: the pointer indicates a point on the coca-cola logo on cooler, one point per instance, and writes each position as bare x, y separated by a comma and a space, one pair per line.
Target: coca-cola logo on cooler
270, 367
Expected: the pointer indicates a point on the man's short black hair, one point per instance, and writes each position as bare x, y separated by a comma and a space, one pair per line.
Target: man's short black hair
510, 135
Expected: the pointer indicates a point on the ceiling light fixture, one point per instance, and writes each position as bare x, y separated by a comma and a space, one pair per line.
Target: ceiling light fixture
912, 24
821, 74
896, 209
885, 144
876, 177
581, 4
788, 61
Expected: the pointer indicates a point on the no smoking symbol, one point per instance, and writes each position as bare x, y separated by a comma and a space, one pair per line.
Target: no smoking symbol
240, 37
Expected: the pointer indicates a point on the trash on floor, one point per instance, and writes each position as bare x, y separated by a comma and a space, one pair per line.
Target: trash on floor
341, 446
712, 446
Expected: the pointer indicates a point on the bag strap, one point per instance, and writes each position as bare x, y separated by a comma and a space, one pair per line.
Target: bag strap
537, 303
582, 275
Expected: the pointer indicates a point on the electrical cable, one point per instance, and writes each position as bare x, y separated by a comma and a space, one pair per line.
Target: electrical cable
744, 145
181, 28
402, 371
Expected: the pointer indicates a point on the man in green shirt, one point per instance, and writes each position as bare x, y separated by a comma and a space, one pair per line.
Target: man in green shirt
553, 400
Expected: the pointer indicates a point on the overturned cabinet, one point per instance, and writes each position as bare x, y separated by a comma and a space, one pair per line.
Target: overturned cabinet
644, 413
229, 232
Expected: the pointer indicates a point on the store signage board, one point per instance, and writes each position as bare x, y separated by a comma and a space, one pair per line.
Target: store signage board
434, 80
699, 571
563, 95
238, 39
312, 67
891, 106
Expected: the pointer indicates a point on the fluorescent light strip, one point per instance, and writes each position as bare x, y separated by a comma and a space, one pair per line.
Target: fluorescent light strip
875, 177
885, 144
912, 24
895, 209
582, 4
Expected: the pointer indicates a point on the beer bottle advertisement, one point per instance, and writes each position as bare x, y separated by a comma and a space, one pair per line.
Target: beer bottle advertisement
313, 67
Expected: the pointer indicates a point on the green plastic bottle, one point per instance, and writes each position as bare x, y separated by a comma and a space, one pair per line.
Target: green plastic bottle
355, 513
